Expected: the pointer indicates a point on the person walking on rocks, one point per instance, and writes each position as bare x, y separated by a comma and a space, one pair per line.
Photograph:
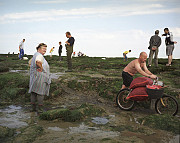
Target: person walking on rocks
51, 51
60, 51
125, 55
154, 44
40, 80
21, 49
69, 50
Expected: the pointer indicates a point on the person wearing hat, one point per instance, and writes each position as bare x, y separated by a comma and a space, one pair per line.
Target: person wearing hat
154, 44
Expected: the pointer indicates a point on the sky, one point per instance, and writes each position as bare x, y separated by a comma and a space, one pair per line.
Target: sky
101, 28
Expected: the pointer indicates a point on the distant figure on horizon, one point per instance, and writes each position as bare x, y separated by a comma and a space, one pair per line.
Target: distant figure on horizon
169, 45
52, 49
79, 54
74, 54
21, 49
60, 51
69, 50
154, 44
125, 55
137, 65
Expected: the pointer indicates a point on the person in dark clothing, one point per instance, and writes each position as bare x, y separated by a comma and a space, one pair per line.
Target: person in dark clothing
169, 45
60, 51
69, 50
154, 44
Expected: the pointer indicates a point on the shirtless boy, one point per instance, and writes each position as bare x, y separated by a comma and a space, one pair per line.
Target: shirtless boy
137, 65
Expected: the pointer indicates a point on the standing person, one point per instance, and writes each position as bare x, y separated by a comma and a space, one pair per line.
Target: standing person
69, 49
52, 49
60, 51
169, 45
137, 65
21, 49
154, 44
40, 80
125, 55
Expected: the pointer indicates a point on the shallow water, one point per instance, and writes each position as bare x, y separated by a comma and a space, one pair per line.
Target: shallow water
56, 75
92, 131
55, 129
100, 120
25, 71
13, 117
53, 75
175, 139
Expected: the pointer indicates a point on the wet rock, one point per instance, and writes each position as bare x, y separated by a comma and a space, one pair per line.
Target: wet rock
163, 122
100, 120
4, 69
71, 114
6, 132
29, 134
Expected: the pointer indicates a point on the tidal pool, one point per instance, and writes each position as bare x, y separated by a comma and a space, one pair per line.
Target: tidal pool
13, 117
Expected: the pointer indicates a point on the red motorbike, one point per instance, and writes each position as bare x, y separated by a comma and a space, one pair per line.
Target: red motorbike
143, 88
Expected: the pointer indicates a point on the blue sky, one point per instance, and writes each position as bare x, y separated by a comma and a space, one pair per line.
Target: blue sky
100, 27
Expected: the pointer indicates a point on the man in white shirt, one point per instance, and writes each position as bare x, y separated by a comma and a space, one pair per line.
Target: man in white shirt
21, 49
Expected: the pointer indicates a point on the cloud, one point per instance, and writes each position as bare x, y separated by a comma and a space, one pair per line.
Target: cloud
55, 14
50, 1
176, 32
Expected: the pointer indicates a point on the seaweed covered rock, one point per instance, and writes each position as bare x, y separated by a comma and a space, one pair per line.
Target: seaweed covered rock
29, 134
85, 110
5, 132
90, 110
4, 69
163, 122
55, 114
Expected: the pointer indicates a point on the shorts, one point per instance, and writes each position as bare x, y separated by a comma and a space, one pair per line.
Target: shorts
127, 78
169, 50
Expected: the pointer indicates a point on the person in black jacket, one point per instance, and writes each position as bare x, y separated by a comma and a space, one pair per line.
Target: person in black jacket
69, 50
60, 51
169, 45
154, 43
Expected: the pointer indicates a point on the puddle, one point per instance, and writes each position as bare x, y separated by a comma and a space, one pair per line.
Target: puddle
175, 139
53, 75
56, 129
56, 75
100, 120
94, 132
26, 71
112, 116
82, 81
13, 117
